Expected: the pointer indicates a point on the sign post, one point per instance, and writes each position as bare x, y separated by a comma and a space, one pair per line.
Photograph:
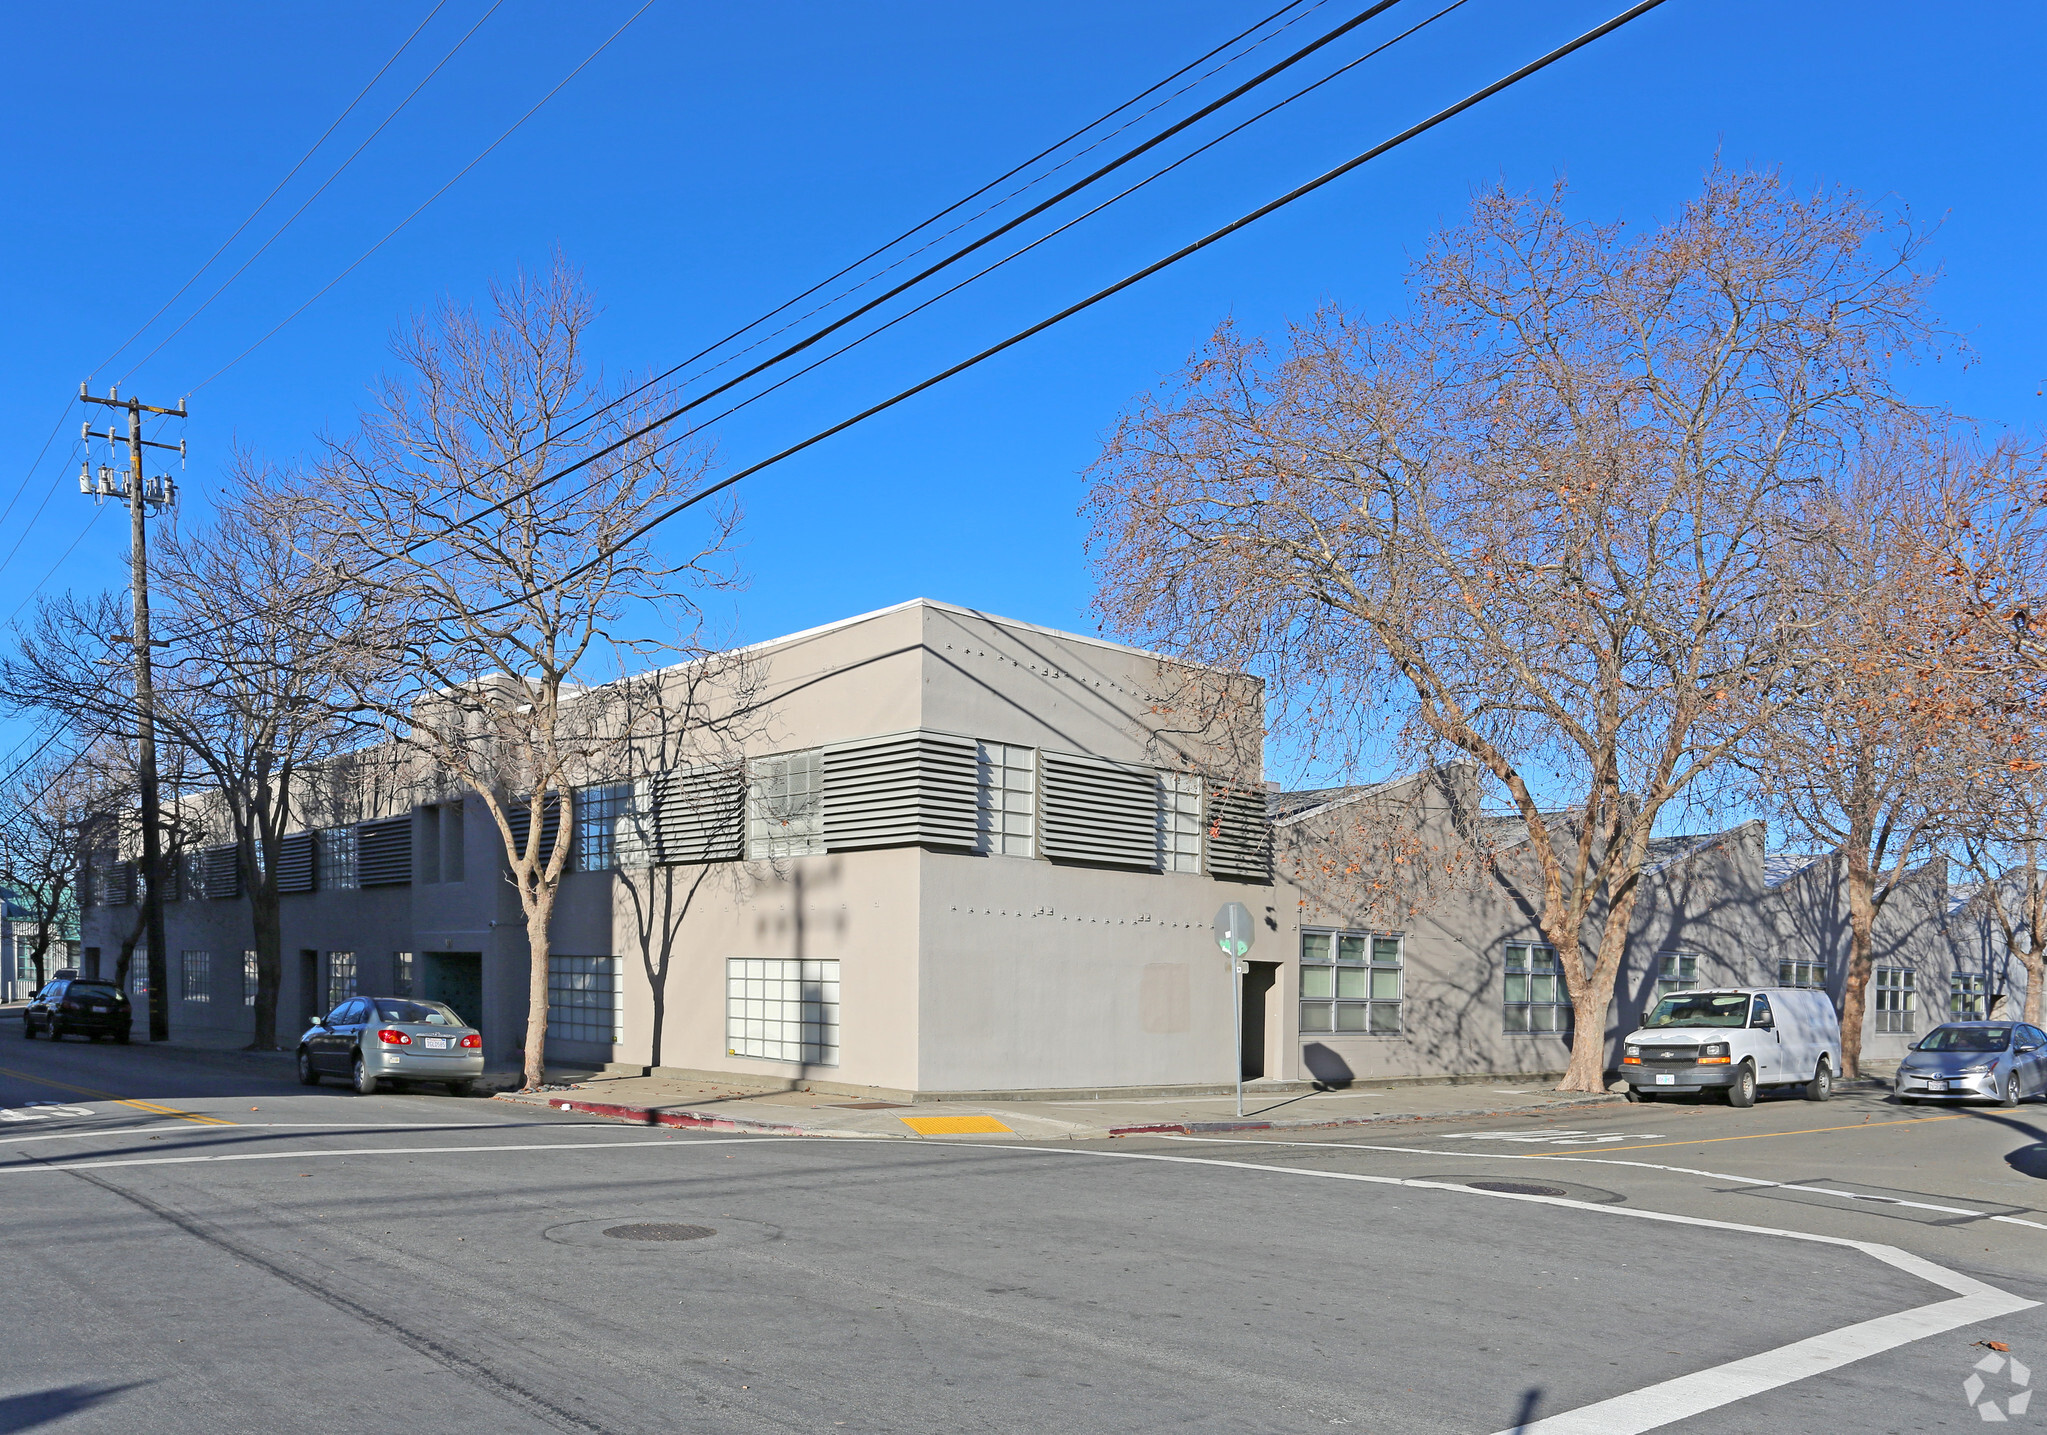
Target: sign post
1233, 933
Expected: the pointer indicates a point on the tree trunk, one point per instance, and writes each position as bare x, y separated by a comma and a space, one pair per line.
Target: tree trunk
1591, 1002
37, 958
268, 933
539, 912
1861, 940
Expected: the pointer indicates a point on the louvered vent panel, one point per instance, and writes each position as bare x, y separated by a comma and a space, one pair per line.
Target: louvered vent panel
173, 878
383, 852
909, 789
295, 862
1095, 810
521, 820
223, 872
690, 815
121, 885
1237, 838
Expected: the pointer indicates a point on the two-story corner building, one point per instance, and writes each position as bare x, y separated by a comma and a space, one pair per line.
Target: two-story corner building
946, 853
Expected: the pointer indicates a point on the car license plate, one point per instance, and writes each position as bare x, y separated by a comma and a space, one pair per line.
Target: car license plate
1666, 1081
1936, 1086
435, 1043
96, 1008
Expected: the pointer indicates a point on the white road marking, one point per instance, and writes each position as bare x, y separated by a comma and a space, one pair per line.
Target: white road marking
320, 1155
1553, 1137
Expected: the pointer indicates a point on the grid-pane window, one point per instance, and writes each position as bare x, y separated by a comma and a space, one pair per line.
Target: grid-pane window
782, 1009
1676, 972
597, 812
1896, 1001
340, 978
1536, 998
191, 876
1180, 822
785, 805
1968, 997
1350, 982
583, 999
1796, 972
334, 859
1006, 800
248, 978
401, 974
195, 976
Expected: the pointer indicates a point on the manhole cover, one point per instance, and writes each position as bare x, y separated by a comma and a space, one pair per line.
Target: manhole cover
1507, 1188
659, 1231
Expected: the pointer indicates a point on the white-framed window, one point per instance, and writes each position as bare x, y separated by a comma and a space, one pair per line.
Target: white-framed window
195, 976
782, 1009
1180, 822
340, 978
1535, 999
249, 975
334, 860
401, 974
1797, 972
598, 810
1350, 982
785, 805
1968, 997
1006, 800
583, 999
1676, 972
1896, 1001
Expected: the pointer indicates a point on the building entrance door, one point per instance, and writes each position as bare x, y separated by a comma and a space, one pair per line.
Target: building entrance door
1258, 984
457, 979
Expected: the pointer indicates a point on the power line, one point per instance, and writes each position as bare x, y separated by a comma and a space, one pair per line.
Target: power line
1298, 192
481, 156
278, 233
265, 204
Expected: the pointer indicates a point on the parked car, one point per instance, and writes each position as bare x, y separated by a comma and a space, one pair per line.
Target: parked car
78, 1006
1981, 1060
1737, 1040
375, 1039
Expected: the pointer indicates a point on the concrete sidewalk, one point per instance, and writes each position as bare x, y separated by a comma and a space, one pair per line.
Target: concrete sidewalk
668, 1101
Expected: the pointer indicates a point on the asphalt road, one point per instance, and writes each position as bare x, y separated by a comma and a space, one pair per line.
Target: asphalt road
198, 1248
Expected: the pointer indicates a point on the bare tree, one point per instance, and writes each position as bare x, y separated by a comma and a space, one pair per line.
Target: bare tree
512, 616
43, 804
1544, 518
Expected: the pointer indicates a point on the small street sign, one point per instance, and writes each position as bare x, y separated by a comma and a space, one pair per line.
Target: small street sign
1233, 929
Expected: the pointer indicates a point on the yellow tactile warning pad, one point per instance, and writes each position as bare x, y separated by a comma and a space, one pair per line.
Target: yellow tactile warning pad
955, 1125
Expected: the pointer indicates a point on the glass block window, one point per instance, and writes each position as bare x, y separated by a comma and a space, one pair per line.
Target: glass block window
334, 859
191, 876
598, 810
248, 978
1676, 972
1896, 1001
1180, 822
340, 978
785, 805
401, 974
195, 976
1536, 1000
782, 1009
1792, 972
1006, 800
1350, 982
1968, 997
583, 999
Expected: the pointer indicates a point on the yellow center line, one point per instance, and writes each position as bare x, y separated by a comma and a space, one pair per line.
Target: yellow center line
150, 1106
1759, 1135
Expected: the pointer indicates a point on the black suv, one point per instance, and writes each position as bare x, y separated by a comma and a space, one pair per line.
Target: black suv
78, 1005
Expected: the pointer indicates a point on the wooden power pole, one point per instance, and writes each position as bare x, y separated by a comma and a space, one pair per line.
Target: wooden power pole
158, 493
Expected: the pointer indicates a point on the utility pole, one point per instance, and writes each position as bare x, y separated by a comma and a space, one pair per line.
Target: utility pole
141, 496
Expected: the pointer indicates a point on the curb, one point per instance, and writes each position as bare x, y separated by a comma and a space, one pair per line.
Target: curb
691, 1120
1205, 1128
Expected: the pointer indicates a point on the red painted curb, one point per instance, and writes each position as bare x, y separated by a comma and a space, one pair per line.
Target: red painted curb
694, 1120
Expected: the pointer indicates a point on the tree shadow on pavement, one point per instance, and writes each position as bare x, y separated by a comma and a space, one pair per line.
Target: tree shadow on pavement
45, 1407
2030, 1160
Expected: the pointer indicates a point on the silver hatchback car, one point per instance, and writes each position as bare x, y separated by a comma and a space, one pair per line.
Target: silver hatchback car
375, 1039
2003, 1061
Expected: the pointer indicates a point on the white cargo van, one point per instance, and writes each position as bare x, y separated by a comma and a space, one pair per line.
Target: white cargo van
1738, 1039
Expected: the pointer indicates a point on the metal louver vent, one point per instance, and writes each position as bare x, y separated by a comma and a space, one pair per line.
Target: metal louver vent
1236, 836
520, 819
223, 872
911, 789
173, 877
1095, 810
121, 885
693, 814
383, 852
295, 862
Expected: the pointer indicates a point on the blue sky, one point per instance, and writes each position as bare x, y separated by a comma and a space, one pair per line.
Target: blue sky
717, 159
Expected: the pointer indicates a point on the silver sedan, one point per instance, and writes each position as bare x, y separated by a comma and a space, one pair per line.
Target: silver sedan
370, 1040
2004, 1061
